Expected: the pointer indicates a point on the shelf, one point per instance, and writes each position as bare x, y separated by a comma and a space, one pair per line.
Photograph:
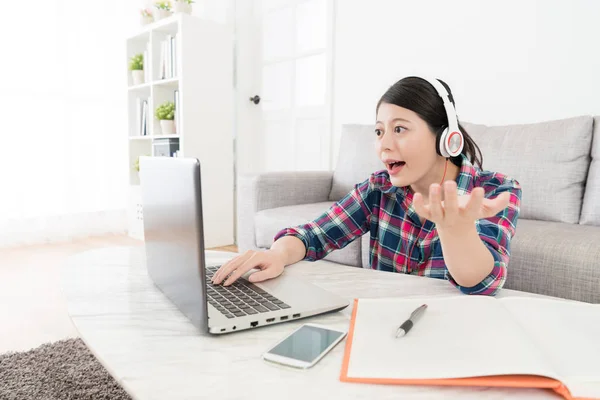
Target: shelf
206, 107
147, 137
141, 36
140, 87
169, 82
169, 24
166, 136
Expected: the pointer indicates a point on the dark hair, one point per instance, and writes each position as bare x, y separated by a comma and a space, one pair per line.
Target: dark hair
417, 95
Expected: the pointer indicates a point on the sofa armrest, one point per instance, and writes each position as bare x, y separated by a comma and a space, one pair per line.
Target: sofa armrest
275, 189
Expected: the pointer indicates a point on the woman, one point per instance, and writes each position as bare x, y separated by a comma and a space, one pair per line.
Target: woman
432, 212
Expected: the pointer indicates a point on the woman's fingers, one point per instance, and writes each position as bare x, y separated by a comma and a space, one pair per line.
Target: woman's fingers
473, 207
450, 200
495, 205
230, 266
255, 261
435, 203
420, 207
268, 273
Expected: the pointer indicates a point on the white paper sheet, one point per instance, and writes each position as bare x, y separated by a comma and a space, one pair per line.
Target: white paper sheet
457, 337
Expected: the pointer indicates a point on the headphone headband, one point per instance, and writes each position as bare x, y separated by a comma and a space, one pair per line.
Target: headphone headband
450, 142
450, 110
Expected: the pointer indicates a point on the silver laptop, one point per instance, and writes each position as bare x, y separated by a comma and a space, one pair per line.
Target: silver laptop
174, 244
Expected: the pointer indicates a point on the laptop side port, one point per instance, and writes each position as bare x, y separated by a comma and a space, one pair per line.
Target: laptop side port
284, 318
253, 323
296, 315
270, 319
222, 329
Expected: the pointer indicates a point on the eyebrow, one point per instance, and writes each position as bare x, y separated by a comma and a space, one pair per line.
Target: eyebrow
394, 120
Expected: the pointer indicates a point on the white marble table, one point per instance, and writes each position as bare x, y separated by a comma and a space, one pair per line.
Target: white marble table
154, 352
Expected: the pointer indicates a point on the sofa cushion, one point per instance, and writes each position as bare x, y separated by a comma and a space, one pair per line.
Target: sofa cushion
269, 222
590, 212
555, 259
549, 159
357, 159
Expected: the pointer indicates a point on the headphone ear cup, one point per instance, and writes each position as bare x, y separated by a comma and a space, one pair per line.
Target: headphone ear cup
440, 141
454, 143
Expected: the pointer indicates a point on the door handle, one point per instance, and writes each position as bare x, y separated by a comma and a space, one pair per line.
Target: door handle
255, 99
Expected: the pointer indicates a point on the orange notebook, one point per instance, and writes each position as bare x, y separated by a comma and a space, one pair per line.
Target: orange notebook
462, 340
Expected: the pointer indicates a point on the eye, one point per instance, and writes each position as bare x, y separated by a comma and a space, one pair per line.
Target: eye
399, 129
378, 132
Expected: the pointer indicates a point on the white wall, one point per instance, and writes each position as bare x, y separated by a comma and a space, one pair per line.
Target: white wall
516, 61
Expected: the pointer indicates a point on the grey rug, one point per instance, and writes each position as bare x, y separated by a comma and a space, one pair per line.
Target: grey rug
56, 371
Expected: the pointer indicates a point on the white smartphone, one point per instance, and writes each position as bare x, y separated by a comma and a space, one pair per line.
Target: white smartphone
304, 347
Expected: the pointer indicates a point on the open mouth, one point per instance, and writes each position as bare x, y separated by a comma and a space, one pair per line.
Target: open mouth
395, 167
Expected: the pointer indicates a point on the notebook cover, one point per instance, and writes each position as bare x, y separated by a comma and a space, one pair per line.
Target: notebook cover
513, 381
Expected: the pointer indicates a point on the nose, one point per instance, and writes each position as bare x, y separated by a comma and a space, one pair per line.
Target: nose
386, 142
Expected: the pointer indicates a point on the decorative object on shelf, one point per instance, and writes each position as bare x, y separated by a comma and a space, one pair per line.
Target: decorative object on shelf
136, 166
166, 147
136, 66
183, 6
163, 10
146, 16
165, 113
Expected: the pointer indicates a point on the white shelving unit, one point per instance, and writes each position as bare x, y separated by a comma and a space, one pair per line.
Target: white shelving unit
203, 78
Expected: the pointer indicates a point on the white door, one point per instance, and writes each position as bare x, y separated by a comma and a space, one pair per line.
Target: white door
284, 57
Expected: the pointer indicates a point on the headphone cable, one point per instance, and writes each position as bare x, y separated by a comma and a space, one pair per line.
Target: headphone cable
445, 169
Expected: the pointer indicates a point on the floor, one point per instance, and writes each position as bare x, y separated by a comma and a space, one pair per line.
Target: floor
32, 309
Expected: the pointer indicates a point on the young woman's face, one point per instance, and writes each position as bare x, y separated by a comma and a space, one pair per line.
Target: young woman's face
405, 144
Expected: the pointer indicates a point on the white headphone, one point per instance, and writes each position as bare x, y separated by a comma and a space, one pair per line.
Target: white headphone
451, 141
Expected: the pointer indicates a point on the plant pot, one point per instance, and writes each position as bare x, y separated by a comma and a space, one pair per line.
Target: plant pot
167, 126
160, 13
138, 76
146, 20
182, 6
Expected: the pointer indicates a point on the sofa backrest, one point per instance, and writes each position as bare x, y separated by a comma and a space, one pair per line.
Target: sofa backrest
590, 212
357, 159
549, 159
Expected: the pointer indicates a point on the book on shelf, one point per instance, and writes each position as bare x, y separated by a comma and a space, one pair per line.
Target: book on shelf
168, 57
146, 64
138, 116
173, 57
177, 116
144, 131
141, 117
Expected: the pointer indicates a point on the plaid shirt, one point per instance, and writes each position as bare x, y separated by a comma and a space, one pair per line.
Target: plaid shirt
398, 240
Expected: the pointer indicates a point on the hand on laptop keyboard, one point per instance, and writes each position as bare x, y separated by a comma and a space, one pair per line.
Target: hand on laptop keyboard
269, 262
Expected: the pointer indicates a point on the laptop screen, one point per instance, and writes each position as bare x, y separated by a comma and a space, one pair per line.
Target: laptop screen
173, 232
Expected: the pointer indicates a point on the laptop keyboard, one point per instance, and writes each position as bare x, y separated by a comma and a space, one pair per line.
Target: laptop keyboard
240, 298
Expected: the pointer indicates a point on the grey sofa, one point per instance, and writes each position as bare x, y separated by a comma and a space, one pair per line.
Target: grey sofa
556, 247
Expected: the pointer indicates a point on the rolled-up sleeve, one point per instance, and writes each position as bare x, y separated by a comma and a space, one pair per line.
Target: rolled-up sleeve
345, 221
496, 233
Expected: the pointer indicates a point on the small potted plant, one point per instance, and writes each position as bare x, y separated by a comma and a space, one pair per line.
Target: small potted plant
183, 6
163, 10
146, 16
136, 165
136, 66
165, 113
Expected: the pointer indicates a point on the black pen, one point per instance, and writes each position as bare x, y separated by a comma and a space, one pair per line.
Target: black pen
408, 324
